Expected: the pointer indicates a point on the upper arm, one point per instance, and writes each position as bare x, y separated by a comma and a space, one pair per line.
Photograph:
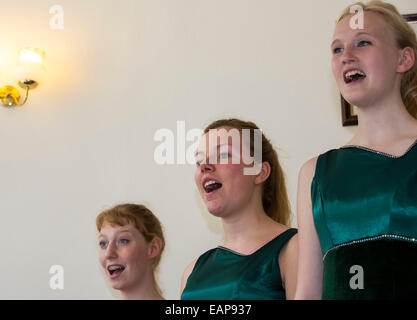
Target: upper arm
288, 259
310, 263
185, 275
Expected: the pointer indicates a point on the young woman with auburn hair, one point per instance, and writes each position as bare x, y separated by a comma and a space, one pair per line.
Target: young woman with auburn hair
258, 257
131, 244
357, 205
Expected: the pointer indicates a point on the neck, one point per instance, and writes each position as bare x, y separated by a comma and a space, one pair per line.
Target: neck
384, 122
142, 291
248, 223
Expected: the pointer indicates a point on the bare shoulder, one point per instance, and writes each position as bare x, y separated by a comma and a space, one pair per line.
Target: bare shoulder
310, 265
305, 178
188, 270
308, 169
277, 228
290, 249
288, 265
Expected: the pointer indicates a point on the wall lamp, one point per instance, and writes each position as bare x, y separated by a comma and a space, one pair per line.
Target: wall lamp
29, 58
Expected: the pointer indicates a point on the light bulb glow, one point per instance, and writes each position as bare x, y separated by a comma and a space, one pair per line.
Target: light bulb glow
31, 55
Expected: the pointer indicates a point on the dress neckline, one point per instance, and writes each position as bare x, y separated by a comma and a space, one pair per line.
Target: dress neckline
380, 152
257, 250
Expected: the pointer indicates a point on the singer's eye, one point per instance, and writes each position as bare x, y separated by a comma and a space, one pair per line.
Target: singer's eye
102, 244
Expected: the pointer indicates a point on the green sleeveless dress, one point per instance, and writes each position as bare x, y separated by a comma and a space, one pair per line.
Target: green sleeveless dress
222, 274
365, 214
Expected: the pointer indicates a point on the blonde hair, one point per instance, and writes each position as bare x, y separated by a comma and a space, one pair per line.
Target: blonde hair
405, 37
144, 221
274, 192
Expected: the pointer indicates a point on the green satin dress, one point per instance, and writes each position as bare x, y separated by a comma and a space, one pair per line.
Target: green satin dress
365, 213
222, 274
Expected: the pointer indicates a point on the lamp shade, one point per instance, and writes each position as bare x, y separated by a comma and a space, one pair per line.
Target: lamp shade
31, 55
31, 64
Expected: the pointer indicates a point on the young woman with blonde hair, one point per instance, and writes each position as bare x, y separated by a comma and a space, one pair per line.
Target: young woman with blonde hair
357, 205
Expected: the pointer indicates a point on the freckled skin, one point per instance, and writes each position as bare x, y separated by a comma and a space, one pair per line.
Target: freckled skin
133, 254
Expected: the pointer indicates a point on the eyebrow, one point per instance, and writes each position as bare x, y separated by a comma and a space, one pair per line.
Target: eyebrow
119, 232
218, 147
126, 230
363, 33
356, 35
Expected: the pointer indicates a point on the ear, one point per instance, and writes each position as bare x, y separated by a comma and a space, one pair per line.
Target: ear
264, 174
154, 247
407, 60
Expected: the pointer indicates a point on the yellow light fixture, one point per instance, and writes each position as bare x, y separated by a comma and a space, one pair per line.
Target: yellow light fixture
9, 95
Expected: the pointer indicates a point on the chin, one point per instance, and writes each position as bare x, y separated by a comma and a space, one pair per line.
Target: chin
214, 210
357, 100
216, 214
123, 286
117, 286
360, 97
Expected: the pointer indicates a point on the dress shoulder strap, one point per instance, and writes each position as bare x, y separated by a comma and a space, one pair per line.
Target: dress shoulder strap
281, 240
322, 164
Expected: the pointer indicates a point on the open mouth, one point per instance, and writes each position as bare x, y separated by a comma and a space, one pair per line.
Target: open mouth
353, 76
211, 185
116, 269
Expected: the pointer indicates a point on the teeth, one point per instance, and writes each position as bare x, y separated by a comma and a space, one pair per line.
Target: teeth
354, 72
112, 268
209, 183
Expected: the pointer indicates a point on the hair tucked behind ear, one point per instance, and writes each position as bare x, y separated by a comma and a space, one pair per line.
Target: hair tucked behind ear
405, 37
274, 192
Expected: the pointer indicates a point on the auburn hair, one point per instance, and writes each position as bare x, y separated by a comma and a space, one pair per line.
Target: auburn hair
144, 221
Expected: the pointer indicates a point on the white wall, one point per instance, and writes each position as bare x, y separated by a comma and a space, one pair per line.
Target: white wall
117, 73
